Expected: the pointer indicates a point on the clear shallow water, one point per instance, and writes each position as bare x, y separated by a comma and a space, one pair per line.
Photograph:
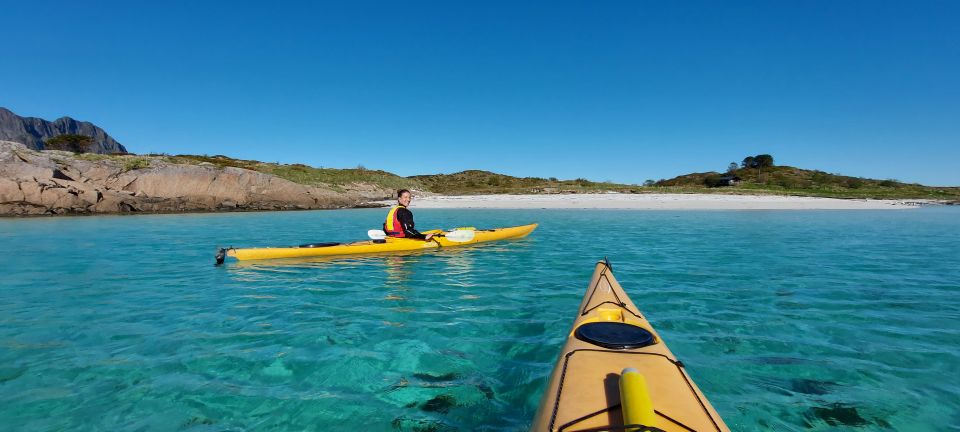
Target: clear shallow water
793, 320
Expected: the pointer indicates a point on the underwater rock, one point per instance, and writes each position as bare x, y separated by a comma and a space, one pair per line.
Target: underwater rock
486, 390
436, 378
839, 415
441, 404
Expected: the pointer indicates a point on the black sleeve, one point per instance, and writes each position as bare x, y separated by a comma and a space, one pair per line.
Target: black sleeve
406, 222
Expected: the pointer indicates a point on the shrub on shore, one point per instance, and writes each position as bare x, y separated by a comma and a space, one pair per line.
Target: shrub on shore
69, 142
136, 163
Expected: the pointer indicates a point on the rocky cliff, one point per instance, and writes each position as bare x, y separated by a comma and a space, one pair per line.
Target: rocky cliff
34, 131
56, 182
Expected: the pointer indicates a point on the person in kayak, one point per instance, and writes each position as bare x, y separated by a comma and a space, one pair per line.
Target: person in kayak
400, 219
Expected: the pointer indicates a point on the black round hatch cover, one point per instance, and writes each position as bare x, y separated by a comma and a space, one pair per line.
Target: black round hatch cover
614, 335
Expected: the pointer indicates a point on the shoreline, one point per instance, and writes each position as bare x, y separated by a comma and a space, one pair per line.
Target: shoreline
608, 201
657, 202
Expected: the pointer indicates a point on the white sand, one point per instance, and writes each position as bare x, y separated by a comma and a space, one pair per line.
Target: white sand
656, 202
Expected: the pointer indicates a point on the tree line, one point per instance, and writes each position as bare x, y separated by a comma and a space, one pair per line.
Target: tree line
758, 161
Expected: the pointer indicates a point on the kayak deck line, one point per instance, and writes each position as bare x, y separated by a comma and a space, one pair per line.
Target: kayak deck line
676, 362
615, 373
389, 244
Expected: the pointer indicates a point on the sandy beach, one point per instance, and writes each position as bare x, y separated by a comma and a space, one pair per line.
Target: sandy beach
657, 202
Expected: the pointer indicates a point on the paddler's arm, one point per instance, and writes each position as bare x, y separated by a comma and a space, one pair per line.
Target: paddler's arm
406, 222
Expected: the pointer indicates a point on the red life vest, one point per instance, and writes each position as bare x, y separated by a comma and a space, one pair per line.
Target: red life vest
392, 226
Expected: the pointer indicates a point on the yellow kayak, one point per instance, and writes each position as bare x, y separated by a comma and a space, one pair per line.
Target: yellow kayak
616, 374
374, 246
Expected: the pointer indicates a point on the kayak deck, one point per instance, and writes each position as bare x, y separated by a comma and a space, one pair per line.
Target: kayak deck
608, 336
375, 246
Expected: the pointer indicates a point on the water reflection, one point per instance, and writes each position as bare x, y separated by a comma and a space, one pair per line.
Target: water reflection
458, 267
398, 270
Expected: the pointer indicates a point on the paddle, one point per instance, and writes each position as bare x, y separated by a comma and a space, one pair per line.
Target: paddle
457, 236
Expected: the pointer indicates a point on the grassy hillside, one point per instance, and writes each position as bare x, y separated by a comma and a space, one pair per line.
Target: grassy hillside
308, 175
474, 182
787, 180
780, 180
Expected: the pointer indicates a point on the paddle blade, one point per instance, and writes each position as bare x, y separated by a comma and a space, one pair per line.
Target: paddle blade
376, 234
460, 236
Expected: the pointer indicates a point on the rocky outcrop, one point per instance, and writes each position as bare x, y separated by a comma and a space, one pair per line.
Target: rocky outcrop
34, 132
55, 182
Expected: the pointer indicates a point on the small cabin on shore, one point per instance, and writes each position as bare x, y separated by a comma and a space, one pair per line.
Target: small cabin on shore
730, 180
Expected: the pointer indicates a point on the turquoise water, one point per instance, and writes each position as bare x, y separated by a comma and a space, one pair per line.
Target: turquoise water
791, 320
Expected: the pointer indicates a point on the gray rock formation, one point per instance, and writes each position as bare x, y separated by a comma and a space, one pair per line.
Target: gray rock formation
57, 182
33, 131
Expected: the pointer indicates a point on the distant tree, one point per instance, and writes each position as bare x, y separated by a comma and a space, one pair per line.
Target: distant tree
759, 162
732, 167
553, 179
70, 142
763, 161
649, 183
360, 167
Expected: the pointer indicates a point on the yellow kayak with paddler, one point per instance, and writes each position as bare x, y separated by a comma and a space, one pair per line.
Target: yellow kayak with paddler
457, 237
615, 373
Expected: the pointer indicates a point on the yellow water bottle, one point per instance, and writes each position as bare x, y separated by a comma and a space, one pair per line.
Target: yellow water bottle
635, 402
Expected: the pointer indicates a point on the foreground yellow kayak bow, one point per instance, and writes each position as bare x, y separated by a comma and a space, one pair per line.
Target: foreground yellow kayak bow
616, 374
389, 244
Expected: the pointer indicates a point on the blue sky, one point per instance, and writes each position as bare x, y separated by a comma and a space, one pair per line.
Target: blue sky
621, 91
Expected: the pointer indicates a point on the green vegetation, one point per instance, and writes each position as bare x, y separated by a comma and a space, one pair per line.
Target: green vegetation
475, 182
307, 175
135, 163
338, 177
93, 156
127, 162
758, 161
69, 142
759, 175
755, 175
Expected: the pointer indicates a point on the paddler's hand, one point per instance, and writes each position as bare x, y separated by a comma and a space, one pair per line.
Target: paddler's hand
428, 237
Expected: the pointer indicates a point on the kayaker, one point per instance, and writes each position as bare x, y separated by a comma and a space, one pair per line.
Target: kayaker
400, 219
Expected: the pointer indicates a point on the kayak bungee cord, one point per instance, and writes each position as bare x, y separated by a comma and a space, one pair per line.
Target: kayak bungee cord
619, 302
675, 362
